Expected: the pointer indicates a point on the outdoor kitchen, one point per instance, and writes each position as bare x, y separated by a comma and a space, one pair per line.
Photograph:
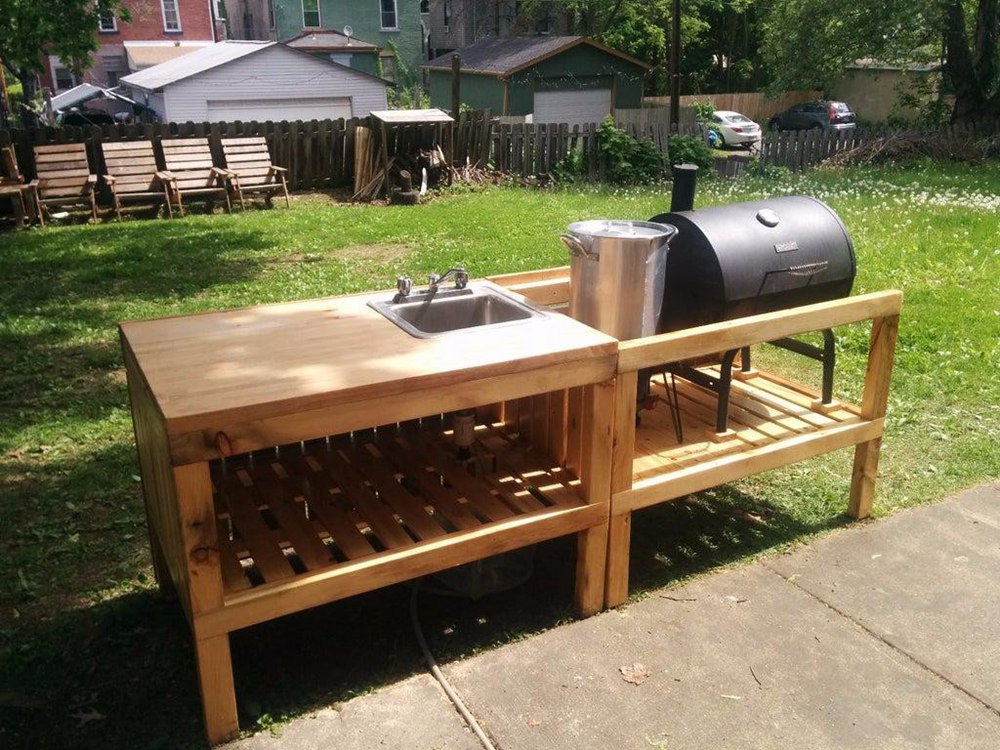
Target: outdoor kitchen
384, 436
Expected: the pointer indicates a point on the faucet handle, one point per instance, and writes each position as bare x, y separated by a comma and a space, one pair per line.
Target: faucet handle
461, 278
403, 285
433, 280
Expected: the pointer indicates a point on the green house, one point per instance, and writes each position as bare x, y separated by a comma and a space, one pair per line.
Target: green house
564, 79
382, 23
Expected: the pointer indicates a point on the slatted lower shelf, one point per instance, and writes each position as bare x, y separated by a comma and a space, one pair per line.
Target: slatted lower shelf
763, 410
306, 508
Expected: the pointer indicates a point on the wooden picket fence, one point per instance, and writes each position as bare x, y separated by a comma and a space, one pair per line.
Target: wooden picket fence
320, 154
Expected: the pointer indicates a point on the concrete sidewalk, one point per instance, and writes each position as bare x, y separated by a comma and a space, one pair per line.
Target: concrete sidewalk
883, 635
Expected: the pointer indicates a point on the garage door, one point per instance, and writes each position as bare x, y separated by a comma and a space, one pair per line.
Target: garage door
321, 108
574, 107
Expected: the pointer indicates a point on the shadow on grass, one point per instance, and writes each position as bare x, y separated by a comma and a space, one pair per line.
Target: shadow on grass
144, 261
131, 660
59, 353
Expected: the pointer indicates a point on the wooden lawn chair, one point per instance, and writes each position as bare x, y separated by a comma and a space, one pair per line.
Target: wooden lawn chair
12, 183
63, 178
132, 175
248, 163
190, 171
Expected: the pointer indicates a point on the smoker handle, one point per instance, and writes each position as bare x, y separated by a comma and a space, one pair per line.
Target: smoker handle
576, 247
809, 269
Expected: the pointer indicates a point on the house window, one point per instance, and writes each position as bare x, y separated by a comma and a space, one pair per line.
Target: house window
389, 14
171, 15
446, 9
310, 14
112, 78
425, 7
107, 21
64, 78
220, 10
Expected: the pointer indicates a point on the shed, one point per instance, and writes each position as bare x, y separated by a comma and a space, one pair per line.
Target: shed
569, 79
341, 48
252, 80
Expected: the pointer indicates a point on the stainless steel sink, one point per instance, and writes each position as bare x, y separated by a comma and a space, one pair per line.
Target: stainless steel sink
453, 311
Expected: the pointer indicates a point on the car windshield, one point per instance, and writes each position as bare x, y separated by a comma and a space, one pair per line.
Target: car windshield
738, 118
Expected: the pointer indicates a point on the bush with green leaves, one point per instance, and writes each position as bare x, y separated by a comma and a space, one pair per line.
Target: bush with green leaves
628, 160
689, 149
571, 167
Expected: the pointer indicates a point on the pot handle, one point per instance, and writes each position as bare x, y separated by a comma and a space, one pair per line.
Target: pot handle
576, 247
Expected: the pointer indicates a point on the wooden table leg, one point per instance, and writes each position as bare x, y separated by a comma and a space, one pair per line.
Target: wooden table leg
619, 539
881, 354
595, 475
591, 554
218, 695
620, 528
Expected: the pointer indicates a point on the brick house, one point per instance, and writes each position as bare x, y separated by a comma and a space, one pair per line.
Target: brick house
159, 30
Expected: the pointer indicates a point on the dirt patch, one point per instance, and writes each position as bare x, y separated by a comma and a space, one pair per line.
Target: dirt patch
376, 254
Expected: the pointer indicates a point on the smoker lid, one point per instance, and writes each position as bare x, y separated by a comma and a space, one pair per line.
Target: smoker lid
622, 229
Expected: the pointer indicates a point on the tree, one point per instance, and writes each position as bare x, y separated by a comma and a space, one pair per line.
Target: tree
718, 37
66, 28
807, 43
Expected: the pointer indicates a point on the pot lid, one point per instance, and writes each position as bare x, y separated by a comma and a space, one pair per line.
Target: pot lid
622, 229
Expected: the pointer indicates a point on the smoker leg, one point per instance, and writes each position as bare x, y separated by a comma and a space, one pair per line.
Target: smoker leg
722, 430
747, 370
829, 359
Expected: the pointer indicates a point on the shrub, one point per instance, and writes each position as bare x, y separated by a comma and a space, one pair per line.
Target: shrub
628, 160
689, 149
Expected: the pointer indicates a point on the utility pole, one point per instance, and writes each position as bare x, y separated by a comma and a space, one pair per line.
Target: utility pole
675, 66
456, 97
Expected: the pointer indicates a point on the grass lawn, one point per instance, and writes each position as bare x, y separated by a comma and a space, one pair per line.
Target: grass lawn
90, 655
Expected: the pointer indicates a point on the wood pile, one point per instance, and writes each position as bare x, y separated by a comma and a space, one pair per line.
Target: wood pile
903, 147
368, 176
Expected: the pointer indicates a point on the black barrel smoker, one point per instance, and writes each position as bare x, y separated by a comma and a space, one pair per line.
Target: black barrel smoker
748, 258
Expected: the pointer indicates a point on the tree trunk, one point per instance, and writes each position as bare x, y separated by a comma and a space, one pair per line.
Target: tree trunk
971, 71
29, 90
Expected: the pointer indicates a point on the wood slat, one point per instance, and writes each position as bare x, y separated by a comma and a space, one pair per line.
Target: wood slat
318, 486
243, 142
261, 157
130, 166
378, 516
458, 476
60, 148
409, 508
233, 576
291, 517
444, 499
113, 146
267, 556
186, 165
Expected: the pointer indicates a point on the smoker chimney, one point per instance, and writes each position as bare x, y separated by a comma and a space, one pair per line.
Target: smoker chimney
682, 195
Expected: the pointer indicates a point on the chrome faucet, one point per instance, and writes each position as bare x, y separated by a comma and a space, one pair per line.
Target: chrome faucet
460, 274
403, 287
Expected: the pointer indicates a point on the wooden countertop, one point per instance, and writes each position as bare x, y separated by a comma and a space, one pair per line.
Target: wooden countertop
273, 360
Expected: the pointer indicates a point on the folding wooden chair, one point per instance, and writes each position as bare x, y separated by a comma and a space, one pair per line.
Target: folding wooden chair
248, 163
132, 175
191, 172
12, 184
63, 178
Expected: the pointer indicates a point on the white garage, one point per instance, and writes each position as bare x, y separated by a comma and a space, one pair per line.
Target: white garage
251, 80
574, 107
319, 108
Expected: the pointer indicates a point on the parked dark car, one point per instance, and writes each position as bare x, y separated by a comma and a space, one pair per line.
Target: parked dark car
79, 118
825, 115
